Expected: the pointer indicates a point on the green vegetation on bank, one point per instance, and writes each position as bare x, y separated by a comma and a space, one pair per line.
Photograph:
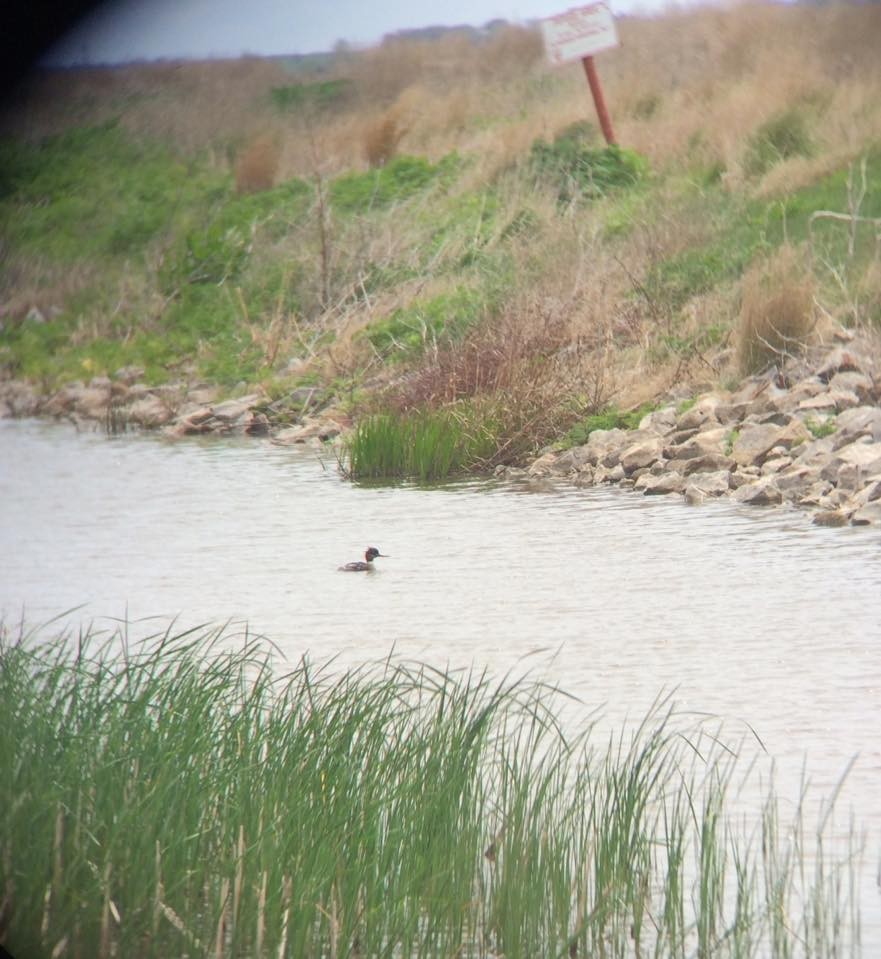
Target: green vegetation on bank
408, 229
427, 445
177, 796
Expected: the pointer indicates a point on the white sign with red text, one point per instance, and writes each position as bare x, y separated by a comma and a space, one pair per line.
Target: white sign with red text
580, 32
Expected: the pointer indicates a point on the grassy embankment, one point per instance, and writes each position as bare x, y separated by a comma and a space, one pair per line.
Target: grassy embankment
175, 799
433, 231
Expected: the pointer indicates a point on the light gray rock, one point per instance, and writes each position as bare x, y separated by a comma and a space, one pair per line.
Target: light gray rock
571, 460
755, 441
150, 412
601, 442
830, 401
708, 442
694, 495
728, 413
92, 402
230, 410
763, 492
203, 395
321, 430
855, 382
816, 494
543, 466
608, 474
700, 415
20, 398
863, 453
717, 483
869, 515
708, 463
775, 465
641, 454
658, 485
859, 421
584, 477
659, 421
840, 360
808, 387
814, 452
795, 481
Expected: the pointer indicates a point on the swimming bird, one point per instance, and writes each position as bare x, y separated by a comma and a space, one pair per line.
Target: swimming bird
366, 564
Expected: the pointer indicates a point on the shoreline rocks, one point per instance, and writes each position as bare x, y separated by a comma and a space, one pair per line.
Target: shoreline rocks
811, 440
814, 443
123, 403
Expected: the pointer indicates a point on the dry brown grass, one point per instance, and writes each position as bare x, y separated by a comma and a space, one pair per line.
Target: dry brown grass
257, 165
381, 138
777, 315
687, 86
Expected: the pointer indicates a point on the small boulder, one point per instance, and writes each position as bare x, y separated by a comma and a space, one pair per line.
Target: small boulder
859, 421
658, 485
659, 421
717, 483
543, 466
763, 492
149, 412
571, 460
601, 442
855, 382
755, 441
641, 454
830, 401
840, 360
230, 410
701, 414
92, 402
869, 515
694, 495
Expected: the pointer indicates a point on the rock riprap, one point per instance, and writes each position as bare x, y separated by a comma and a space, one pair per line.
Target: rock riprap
814, 442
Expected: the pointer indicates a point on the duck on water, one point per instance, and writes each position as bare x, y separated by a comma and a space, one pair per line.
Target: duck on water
365, 565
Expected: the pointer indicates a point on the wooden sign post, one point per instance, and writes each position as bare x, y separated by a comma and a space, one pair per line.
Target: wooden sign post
577, 35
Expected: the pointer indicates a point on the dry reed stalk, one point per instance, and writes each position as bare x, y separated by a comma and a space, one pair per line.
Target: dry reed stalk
239, 877
158, 893
104, 938
286, 895
261, 914
220, 937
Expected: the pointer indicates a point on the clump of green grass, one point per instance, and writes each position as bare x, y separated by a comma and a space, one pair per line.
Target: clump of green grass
397, 180
609, 419
319, 95
177, 796
427, 444
818, 428
576, 169
410, 330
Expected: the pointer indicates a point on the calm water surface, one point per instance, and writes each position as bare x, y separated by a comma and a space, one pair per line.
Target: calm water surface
755, 616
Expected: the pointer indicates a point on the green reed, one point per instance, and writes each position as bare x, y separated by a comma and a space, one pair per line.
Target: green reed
427, 444
178, 796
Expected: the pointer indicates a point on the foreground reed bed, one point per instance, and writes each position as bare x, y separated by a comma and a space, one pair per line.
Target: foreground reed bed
177, 797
